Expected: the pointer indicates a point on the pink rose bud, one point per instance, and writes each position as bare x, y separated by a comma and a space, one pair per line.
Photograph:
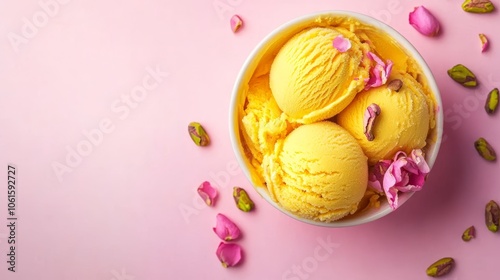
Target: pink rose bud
207, 193
229, 254
424, 22
226, 229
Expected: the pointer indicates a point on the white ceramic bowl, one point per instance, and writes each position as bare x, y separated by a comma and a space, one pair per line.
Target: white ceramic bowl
261, 51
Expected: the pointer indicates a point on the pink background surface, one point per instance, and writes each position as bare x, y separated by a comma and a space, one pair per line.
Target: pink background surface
129, 209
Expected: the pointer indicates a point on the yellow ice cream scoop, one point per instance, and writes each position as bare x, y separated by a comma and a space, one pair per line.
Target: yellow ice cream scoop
318, 172
311, 80
402, 124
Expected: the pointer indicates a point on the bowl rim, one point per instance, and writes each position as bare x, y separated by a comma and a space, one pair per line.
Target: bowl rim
259, 49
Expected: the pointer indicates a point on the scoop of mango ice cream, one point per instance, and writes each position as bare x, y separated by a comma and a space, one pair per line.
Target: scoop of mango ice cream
263, 123
403, 123
311, 80
317, 172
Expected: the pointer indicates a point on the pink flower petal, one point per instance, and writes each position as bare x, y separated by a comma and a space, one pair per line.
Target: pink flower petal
225, 228
405, 174
424, 22
207, 193
485, 43
229, 254
236, 23
376, 176
341, 44
379, 73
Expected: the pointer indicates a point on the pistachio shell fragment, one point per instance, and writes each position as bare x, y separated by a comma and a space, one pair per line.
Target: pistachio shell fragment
198, 134
484, 42
478, 6
441, 267
485, 150
469, 233
492, 101
395, 85
243, 201
462, 75
371, 113
492, 216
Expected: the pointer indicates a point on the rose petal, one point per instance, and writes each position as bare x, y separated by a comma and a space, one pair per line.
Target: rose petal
236, 23
207, 193
341, 44
376, 176
418, 157
225, 228
229, 254
405, 174
379, 73
424, 22
484, 42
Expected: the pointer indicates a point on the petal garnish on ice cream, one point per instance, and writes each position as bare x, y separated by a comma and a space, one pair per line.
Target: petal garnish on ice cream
229, 254
369, 117
424, 22
379, 72
404, 174
341, 44
207, 193
376, 176
225, 228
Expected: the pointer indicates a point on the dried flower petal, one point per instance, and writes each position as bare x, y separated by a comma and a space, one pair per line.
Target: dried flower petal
236, 23
229, 254
371, 113
207, 193
424, 22
376, 176
341, 44
379, 72
225, 228
402, 174
484, 42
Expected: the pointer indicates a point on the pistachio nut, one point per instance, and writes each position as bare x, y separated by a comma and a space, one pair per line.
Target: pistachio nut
469, 233
492, 101
462, 75
243, 201
395, 85
485, 150
478, 6
198, 134
440, 267
371, 112
492, 216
